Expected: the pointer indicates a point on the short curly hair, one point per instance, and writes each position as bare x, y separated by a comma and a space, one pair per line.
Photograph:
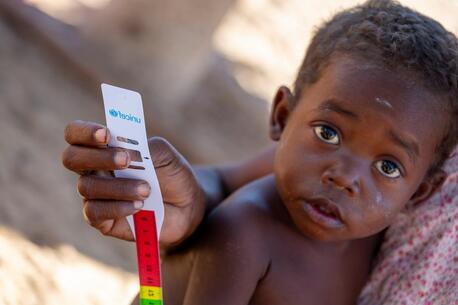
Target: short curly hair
398, 37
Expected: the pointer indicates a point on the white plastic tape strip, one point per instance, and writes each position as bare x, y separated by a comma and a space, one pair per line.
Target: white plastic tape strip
126, 122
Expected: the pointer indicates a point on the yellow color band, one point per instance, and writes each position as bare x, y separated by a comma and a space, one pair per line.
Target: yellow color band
150, 293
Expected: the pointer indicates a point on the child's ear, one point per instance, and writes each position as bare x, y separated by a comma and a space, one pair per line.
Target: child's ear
428, 187
281, 109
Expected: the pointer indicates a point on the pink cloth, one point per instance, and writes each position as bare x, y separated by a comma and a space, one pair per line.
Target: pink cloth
418, 260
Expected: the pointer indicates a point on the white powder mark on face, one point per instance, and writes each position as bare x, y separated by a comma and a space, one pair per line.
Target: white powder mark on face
384, 102
379, 202
378, 198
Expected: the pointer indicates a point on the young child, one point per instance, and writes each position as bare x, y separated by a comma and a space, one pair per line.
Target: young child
373, 115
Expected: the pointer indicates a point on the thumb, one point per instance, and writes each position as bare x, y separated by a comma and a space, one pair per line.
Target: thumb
163, 154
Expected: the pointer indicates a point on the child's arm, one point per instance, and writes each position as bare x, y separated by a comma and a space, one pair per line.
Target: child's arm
218, 182
230, 258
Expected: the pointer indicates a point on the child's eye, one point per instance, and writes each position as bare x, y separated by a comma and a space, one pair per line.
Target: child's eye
388, 168
327, 134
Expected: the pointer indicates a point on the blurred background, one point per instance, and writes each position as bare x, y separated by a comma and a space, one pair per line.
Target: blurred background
206, 70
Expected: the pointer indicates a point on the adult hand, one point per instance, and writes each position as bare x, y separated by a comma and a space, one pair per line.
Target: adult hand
107, 200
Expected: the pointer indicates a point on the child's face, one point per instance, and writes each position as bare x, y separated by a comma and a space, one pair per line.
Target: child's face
355, 150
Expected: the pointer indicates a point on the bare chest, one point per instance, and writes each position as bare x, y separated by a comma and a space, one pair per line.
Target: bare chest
299, 273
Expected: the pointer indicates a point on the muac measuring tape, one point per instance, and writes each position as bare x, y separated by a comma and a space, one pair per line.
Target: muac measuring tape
148, 258
125, 120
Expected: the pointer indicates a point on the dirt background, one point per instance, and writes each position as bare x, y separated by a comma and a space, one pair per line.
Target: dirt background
206, 70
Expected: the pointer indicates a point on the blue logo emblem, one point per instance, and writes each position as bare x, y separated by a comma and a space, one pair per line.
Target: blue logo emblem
114, 113
128, 117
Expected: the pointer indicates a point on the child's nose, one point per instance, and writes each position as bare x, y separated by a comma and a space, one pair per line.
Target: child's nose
342, 179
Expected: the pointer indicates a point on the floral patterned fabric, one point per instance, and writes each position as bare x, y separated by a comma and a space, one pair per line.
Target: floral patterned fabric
418, 260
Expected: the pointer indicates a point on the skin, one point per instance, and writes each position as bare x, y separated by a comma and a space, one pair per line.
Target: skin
264, 246
187, 192
108, 200
345, 99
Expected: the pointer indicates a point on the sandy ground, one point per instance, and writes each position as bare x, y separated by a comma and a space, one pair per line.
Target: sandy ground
268, 38
30, 274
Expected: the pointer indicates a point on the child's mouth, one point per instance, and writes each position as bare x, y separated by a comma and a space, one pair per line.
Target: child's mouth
324, 213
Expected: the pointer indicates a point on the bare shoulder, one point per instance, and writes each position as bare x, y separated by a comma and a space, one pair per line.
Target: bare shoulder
235, 232
238, 222
226, 257
247, 212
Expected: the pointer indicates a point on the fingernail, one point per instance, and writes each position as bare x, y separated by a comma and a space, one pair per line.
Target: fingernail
138, 205
144, 190
121, 158
101, 135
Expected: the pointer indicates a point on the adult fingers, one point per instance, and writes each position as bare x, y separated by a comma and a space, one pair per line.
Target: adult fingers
80, 159
97, 187
86, 134
118, 228
97, 211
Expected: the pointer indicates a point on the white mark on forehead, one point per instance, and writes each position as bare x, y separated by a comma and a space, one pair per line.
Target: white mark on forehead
383, 102
367, 66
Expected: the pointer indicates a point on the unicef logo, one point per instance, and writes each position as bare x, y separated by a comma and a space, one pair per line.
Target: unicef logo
128, 117
114, 113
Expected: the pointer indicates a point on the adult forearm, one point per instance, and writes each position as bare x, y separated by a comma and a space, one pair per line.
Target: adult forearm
212, 183
218, 182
